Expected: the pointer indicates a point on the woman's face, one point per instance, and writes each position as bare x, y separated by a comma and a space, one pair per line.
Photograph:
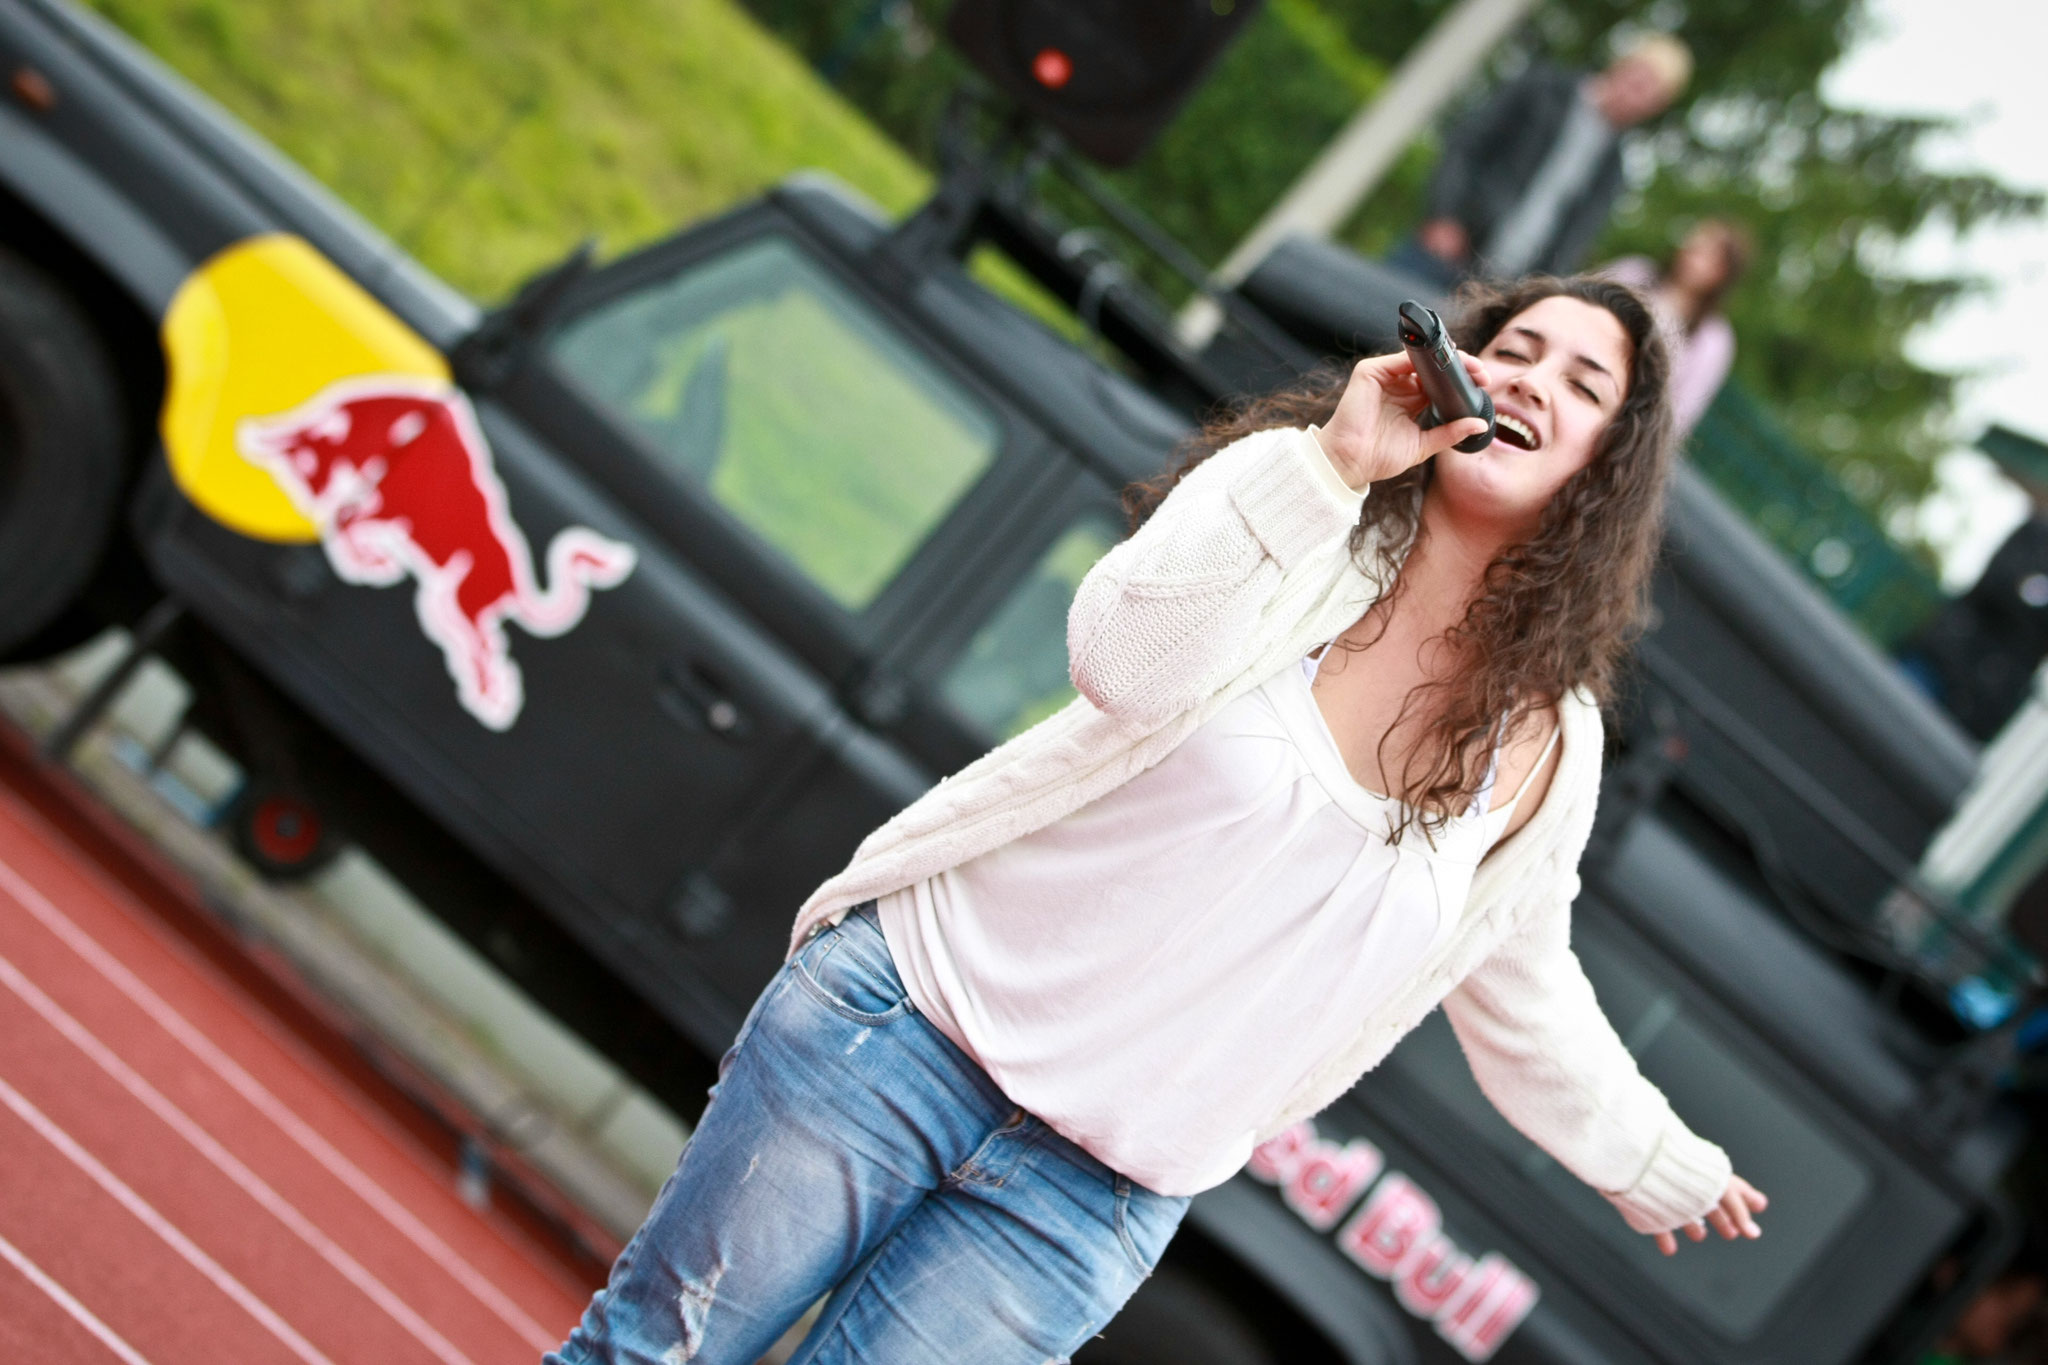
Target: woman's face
1558, 373
1701, 265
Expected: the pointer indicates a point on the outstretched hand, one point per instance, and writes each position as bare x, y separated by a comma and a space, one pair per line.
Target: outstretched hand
1734, 1216
1373, 436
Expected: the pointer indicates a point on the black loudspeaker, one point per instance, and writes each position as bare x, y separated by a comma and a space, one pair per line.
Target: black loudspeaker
1108, 74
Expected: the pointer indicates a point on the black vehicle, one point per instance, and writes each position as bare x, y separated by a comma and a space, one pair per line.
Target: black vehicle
705, 561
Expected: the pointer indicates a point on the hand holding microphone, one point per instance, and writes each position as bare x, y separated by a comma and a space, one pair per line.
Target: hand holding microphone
1450, 390
1399, 410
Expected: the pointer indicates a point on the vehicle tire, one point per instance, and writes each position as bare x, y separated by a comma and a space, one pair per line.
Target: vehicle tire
73, 626
1175, 1319
61, 452
281, 833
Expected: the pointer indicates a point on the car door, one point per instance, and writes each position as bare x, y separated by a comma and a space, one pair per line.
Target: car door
987, 663
800, 454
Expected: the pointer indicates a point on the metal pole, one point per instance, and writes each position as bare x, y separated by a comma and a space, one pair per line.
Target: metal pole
156, 624
1317, 204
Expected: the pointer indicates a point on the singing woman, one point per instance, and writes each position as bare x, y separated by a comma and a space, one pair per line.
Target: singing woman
1333, 764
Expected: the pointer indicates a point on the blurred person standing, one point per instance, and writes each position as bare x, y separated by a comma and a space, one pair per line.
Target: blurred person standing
2005, 1322
1979, 654
1526, 182
1685, 293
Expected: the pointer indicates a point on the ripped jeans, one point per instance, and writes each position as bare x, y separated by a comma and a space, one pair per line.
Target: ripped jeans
851, 1148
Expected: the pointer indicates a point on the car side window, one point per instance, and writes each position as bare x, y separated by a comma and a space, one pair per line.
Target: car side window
766, 383
1013, 673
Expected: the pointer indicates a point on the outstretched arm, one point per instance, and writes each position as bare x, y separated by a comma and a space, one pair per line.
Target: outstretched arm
1548, 1059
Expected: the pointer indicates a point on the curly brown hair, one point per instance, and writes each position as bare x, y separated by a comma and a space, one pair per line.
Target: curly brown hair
1555, 612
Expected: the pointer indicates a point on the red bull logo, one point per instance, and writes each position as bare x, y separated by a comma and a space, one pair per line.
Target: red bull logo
395, 475
1397, 1236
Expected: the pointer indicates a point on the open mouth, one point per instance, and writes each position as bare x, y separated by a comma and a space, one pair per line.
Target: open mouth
1515, 432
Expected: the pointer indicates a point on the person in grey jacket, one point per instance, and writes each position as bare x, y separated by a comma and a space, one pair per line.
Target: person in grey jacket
1527, 181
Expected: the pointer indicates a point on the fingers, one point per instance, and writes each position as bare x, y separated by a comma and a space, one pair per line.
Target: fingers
1396, 372
1395, 367
1737, 1207
1436, 440
1735, 1215
1384, 369
1667, 1242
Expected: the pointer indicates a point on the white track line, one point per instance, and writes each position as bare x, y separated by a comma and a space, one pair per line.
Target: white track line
80, 1314
359, 1182
228, 1164
160, 1225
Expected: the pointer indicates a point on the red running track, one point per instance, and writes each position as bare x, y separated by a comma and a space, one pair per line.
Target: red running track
186, 1180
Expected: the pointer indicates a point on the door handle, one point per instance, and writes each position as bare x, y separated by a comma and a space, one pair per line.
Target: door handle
697, 698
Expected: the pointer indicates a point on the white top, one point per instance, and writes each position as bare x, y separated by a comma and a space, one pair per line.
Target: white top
1155, 973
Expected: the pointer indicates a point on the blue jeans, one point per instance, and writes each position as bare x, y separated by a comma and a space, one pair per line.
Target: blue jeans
850, 1147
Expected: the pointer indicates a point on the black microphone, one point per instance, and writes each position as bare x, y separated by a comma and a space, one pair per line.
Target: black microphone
1449, 389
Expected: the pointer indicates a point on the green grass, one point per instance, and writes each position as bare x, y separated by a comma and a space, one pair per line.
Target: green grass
489, 136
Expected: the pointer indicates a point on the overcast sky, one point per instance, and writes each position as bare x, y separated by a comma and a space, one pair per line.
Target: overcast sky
1980, 60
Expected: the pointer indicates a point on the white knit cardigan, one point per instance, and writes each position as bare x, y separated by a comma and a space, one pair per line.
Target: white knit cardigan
1244, 568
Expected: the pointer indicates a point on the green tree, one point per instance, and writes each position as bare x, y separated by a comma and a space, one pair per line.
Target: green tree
1829, 193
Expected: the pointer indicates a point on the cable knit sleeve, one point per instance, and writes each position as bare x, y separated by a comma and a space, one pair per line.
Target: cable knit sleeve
1546, 1056
1165, 618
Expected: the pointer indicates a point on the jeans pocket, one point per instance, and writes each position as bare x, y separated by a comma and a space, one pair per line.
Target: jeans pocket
1145, 1223
998, 1154
848, 970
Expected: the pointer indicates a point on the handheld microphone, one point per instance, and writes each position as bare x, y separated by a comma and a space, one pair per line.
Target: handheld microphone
1449, 389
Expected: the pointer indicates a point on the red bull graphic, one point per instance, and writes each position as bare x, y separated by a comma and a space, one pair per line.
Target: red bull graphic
1397, 1236
396, 476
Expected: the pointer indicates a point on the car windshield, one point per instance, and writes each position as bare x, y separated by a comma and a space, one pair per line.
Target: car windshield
763, 381
1816, 1183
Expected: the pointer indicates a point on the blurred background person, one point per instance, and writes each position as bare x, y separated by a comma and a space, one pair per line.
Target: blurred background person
1979, 654
2006, 1323
1685, 292
1527, 181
